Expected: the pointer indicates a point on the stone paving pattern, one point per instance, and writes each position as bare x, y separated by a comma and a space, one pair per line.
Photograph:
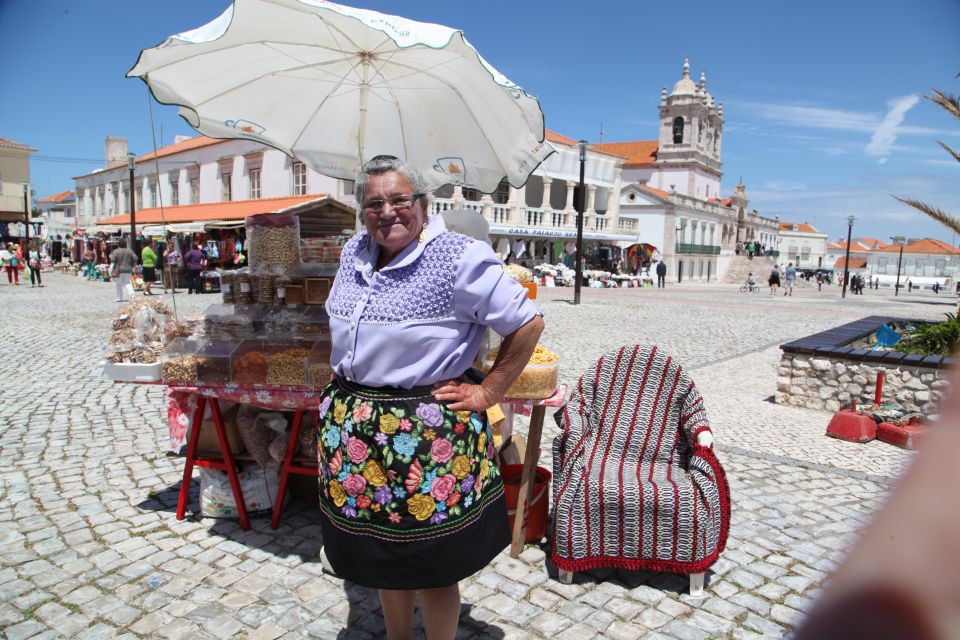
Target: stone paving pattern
90, 546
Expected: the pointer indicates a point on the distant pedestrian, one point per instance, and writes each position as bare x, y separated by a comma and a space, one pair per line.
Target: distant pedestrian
89, 268
34, 263
122, 261
8, 255
774, 280
819, 282
149, 261
909, 286
194, 260
936, 287
661, 274
172, 258
791, 276
876, 283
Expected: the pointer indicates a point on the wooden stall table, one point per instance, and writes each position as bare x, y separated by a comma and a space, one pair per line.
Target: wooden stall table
531, 457
192, 401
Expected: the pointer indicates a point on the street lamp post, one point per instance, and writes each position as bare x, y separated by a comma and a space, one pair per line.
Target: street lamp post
131, 164
26, 221
580, 207
896, 287
846, 260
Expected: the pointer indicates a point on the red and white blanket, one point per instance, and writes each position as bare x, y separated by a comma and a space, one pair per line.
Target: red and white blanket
631, 487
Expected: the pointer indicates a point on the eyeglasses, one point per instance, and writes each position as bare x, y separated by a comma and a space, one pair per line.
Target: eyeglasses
401, 202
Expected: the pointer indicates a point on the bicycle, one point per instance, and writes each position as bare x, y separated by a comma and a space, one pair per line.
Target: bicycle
753, 288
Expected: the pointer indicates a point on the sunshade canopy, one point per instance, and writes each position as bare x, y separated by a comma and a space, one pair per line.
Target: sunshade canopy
334, 86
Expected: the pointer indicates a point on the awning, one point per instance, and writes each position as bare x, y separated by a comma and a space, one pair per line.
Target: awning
226, 224
104, 228
160, 230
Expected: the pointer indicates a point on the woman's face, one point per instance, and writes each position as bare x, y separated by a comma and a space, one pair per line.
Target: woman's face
392, 229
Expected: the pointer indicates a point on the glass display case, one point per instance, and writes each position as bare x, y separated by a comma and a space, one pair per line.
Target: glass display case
225, 322
178, 362
213, 358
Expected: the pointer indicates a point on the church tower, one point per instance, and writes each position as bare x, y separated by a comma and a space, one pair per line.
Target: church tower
691, 128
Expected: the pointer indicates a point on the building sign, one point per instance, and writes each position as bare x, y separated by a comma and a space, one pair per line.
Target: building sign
535, 232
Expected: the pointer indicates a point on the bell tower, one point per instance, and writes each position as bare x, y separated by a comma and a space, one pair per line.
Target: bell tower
691, 129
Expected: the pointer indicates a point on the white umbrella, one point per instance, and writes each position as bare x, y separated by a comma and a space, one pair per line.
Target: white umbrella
333, 86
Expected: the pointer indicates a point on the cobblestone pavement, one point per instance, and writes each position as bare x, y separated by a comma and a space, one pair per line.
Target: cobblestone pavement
90, 547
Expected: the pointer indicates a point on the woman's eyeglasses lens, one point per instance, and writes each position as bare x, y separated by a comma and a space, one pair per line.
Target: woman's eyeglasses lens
397, 203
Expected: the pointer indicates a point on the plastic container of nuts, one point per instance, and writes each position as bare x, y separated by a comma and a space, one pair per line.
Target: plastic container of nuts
273, 240
178, 362
286, 361
213, 360
248, 362
539, 378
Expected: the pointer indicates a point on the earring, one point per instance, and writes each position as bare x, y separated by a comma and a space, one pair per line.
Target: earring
423, 233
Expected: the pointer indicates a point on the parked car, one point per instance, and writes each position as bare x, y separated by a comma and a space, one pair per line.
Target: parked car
826, 273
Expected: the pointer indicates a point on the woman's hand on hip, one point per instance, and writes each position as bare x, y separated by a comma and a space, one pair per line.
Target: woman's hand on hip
463, 396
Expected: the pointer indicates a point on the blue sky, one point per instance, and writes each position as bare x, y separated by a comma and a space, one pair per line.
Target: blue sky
821, 99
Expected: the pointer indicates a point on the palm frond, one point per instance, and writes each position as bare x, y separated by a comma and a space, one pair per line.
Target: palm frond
941, 216
947, 101
956, 155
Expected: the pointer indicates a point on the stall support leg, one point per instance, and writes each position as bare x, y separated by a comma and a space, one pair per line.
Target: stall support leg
285, 470
231, 467
530, 459
192, 443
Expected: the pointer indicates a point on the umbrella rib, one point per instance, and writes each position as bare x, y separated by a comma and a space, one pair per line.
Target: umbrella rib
317, 110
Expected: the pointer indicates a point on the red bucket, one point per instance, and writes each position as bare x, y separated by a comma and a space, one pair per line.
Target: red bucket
539, 499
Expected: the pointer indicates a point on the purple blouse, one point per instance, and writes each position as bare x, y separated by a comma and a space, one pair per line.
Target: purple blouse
421, 318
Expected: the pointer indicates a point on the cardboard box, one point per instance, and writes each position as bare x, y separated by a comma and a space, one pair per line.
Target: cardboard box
208, 433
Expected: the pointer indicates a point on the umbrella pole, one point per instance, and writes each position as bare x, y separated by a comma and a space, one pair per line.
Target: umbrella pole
364, 90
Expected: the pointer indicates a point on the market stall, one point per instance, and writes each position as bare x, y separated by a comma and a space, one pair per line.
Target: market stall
266, 346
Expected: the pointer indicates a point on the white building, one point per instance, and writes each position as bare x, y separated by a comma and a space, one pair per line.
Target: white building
924, 262
803, 245
672, 190
195, 171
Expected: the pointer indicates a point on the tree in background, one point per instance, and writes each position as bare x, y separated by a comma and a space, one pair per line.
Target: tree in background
951, 104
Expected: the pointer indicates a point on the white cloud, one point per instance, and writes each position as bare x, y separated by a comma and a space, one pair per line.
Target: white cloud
886, 134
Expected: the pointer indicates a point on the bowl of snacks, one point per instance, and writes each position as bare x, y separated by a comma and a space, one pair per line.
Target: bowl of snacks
538, 379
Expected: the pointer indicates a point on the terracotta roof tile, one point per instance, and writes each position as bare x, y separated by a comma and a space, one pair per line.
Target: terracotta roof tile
10, 144
178, 147
925, 245
801, 227
553, 136
659, 192
639, 153
57, 197
855, 263
236, 210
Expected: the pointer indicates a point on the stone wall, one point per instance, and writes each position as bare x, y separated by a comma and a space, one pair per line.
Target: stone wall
830, 384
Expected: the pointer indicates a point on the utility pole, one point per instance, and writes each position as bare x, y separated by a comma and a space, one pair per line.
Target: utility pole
896, 287
131, 165
846, 260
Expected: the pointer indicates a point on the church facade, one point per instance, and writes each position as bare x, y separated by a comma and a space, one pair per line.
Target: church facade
671, 188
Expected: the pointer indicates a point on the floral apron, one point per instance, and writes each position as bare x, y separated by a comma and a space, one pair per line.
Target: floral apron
411, 493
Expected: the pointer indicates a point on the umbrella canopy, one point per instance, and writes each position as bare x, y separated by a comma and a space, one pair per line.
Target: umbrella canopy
334, 86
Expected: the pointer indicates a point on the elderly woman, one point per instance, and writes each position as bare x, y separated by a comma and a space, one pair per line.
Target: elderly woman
412, 499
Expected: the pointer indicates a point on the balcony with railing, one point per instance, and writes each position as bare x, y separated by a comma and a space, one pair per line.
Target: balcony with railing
698, 249
536, 218
12, 203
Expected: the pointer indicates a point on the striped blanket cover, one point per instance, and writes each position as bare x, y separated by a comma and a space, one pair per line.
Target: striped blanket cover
631, 487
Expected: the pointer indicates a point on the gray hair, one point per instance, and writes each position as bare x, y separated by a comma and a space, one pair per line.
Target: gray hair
378, 165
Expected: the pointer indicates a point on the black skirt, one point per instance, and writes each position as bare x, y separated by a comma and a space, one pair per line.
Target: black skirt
410, 491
